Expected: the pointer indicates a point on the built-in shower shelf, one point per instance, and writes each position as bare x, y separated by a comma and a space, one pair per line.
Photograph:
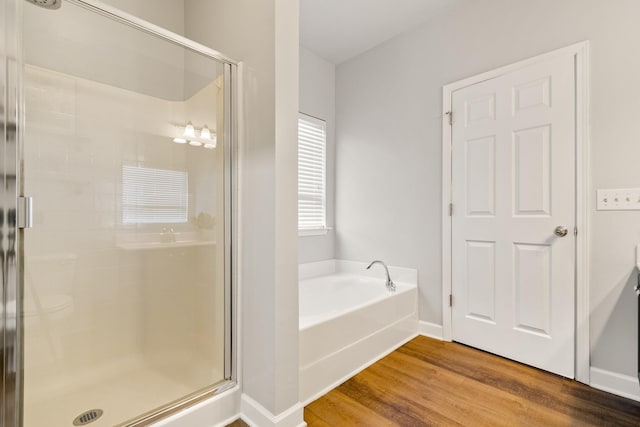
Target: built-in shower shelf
145, 246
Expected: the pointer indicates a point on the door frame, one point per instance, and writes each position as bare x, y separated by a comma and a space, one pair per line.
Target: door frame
580, 53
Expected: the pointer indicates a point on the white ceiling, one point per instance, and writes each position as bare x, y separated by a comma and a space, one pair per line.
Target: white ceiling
338, 30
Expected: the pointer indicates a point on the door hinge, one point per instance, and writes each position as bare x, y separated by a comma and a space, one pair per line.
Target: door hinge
450, 209
575, 231
450, 300
24, 210
450, 114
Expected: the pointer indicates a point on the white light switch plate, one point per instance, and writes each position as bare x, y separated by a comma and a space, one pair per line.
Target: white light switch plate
621, 199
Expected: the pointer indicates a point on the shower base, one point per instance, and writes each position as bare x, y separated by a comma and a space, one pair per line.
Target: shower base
136, 389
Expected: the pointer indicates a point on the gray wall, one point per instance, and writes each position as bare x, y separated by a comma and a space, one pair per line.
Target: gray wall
388, 158
317, 98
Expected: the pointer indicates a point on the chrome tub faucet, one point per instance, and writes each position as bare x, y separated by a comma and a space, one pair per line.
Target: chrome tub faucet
390, 285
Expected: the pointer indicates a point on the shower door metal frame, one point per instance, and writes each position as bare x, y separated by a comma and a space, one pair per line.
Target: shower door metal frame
10, 116
11, 237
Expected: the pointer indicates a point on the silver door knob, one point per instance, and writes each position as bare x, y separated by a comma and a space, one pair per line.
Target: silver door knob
561, 231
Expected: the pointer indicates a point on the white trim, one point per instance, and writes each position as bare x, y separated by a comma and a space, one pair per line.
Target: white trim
618, 384
254, 414
446, 217
583, 202
238, 151
313, 232
580, 51
430, 330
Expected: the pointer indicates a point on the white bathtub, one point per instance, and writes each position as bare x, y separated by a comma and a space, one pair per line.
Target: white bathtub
348, 320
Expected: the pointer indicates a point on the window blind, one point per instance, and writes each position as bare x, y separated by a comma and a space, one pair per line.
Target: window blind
312, 143
154, 195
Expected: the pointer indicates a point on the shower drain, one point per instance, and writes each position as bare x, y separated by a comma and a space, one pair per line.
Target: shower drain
87, 417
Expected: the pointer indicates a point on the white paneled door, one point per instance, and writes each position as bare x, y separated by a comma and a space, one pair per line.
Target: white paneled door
513, 191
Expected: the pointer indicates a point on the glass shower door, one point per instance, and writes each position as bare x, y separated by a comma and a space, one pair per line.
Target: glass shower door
126, 279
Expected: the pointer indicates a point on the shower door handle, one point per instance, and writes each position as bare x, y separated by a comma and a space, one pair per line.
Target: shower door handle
24, 217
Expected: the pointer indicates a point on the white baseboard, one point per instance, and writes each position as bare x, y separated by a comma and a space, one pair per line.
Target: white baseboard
257, 415
612, 382
430, 330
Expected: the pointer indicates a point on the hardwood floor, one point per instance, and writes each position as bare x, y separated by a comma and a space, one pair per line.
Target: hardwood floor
428, 382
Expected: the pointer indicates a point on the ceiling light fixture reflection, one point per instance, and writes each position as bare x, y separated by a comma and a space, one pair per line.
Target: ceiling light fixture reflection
205, 133
195, 137
189, 131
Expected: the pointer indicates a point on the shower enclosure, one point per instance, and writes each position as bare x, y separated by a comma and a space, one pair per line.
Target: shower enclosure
116, 217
